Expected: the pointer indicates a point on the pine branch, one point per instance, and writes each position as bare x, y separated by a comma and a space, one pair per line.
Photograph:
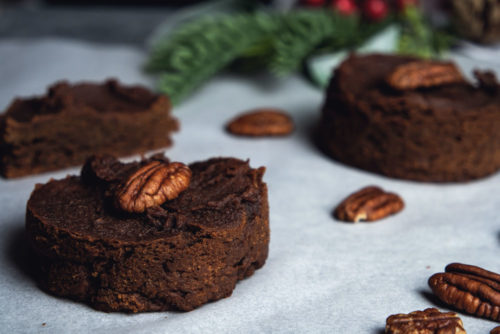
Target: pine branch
301, 33
202, 48
279, 42
319, 31
419, 38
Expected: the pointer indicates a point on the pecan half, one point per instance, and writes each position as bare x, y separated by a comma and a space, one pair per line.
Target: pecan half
470, 289
419, 74
151, 185
368, 204
262, 122
495, 330
429, 321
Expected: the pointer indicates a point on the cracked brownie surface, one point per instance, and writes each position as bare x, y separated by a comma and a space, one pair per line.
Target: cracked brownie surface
176, 256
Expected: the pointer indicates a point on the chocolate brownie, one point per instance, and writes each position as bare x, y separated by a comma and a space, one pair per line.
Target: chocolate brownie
436, 128
71, 122
175, 256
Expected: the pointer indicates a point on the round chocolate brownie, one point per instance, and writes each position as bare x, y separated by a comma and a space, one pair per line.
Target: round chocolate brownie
175, 256
412, 119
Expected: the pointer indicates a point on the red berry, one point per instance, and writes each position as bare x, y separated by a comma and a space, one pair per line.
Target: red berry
313, 3
402, 4
345, 7
375, 10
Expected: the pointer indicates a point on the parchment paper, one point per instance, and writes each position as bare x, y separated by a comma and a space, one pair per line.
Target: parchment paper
322, 276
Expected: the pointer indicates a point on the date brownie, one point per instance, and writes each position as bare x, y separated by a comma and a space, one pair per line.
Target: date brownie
407, 118
71, 122
178, 255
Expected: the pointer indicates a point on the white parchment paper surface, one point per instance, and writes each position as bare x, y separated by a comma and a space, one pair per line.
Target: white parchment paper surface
322, 276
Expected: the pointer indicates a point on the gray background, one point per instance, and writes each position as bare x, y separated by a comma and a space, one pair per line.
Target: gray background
106, 24
322, 276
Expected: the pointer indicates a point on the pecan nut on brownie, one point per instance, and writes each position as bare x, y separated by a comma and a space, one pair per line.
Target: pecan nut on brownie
191, 249
412, 119
73, 121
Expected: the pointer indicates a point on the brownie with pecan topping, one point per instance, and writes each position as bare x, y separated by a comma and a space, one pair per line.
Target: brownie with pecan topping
412, 119
176, 254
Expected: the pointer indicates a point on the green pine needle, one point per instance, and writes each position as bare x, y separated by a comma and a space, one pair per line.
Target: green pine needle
419, 38
202, 48
279, 42
301, 33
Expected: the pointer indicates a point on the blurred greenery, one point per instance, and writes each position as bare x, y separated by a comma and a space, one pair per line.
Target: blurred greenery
419, 38
278, 42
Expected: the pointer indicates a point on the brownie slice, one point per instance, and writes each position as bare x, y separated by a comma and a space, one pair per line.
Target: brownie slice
176, 256
72, 122
439, 133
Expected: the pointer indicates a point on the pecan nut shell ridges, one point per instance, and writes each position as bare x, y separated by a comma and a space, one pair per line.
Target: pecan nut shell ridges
429, 321
470, 289
261, 123
152, 185
368, 204
420, 74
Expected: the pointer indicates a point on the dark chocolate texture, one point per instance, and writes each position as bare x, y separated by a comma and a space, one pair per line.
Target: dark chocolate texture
71, 122
177, 256
440, 134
